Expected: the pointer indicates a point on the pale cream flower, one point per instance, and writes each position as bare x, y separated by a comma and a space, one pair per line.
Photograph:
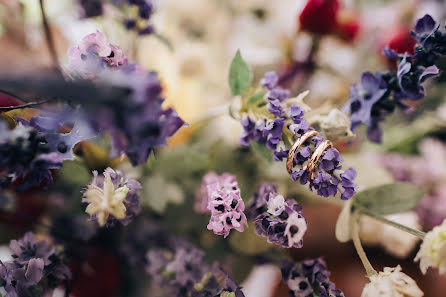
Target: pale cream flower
391, 283
396, 242
105, 201
432, 252
276, 204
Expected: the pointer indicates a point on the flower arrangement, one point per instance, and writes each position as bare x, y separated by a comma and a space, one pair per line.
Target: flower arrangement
146, 159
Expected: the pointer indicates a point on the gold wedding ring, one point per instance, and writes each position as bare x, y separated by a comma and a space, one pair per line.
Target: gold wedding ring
296, 146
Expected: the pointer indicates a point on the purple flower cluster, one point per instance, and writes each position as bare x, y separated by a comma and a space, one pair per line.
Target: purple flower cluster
99, 193
32, 149
182, 271
138, 122
379, 94
137, 13
280, 220
280, 126
95, 53
36, 268
309, 278
221, 195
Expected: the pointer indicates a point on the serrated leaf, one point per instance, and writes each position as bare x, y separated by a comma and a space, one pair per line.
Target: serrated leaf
240, 77
262, 151
389, 199
256, 97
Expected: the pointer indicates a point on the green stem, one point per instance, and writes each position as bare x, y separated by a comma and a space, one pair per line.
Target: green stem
414, 232
354, 229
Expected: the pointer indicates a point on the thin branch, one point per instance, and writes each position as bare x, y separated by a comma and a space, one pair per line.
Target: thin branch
409, 230
27, 105
354, 227
49, 37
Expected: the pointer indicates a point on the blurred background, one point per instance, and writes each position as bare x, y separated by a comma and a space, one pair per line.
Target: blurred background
192, 47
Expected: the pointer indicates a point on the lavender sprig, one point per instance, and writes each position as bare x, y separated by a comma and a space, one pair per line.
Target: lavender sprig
378, 95
36, 268
276, 121
309, 278
280, 220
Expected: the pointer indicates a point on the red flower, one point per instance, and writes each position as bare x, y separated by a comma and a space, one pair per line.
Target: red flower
348, 25
319, 16
400, 41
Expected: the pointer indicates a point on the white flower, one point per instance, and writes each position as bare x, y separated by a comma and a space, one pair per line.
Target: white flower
276, 204
432, 252
295, 229
397, 242
105, 201
391, 283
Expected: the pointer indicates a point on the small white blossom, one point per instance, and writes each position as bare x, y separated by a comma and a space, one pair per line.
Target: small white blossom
432, 252
105, 201
295, 229
276, 204
391, 283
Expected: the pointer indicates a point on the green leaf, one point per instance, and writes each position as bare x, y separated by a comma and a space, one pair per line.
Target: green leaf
342, 232
262, 151
256, 97
389, 199
240, 77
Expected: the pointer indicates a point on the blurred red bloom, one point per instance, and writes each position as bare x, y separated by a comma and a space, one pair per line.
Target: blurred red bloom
319, 16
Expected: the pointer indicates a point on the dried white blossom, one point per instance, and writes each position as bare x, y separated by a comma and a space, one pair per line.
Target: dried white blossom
391, 283
432, 252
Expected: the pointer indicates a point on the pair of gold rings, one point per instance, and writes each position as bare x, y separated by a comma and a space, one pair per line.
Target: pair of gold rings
321, 148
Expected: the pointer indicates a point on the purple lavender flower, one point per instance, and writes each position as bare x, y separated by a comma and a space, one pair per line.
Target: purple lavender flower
224, 203
36, 267
27, 157
280, 220
139, 238
309, 278
94, 53
363, 97
279, 123
180, 269
226, 181
389, 90
138, 122
112, 198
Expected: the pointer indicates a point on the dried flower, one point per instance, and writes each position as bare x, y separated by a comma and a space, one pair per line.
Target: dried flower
112, 197
309, 278
432, 251
279, 124
379, 95
391, 282
226, 205
280, 220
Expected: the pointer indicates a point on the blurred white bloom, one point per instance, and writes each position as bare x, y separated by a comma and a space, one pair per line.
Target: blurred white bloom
262, 281
432, 252
394, 241
158, 193
391, 283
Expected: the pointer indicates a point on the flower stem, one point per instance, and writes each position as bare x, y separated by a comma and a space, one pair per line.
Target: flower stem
354, 229
27, 105
414, 232
49, 37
